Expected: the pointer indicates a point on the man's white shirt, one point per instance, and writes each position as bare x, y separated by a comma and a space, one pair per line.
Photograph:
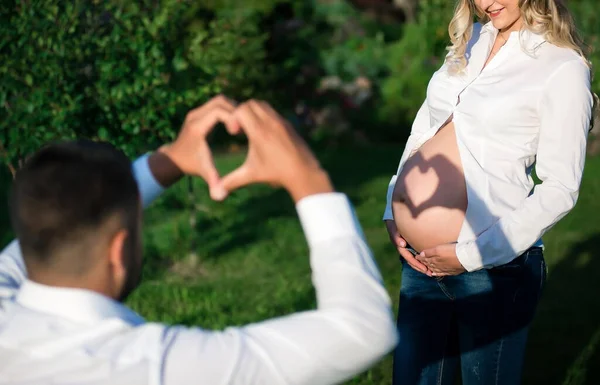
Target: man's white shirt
51, 335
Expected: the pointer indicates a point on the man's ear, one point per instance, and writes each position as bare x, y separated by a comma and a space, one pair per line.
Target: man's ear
116, 256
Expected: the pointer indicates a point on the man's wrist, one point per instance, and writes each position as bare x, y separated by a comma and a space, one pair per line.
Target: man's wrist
313, 183
163, 168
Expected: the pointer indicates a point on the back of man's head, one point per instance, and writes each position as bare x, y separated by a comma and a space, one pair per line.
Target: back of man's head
67, 204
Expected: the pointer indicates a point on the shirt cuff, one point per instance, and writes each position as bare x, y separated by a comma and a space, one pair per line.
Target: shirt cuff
388, 215
148, 186
327, 216
469, 256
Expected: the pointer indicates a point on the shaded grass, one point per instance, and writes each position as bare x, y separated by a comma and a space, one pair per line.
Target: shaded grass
253, 262
249, 262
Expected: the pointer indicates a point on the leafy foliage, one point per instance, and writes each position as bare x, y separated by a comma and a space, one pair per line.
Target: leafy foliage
126, 72
413, 59
588, 21
121, 71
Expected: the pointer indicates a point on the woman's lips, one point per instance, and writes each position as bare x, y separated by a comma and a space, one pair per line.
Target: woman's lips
495, 13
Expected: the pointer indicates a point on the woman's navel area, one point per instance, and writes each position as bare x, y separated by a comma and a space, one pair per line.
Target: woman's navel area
430, 198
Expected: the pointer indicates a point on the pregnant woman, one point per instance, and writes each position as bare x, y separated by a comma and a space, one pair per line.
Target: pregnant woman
513, 92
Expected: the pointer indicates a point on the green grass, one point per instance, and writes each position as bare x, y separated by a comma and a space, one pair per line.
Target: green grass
250, 263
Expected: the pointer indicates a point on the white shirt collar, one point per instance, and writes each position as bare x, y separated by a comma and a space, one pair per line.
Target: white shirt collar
529, 39
489, 27
75, 304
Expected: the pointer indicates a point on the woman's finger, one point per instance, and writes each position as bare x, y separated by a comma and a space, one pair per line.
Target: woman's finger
407, 255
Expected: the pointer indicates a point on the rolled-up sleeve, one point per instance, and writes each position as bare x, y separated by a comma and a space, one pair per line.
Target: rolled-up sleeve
351, 329
565, 112
148, 186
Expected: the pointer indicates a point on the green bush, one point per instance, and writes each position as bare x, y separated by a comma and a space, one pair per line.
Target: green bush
122, 71
127, 72
587, 19
413, 59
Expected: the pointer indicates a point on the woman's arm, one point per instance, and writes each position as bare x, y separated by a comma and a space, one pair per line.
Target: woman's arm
565, 111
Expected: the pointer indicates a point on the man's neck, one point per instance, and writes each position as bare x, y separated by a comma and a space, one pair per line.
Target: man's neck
83, 283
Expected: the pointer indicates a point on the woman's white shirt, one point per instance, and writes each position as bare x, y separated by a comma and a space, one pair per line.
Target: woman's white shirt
530, 106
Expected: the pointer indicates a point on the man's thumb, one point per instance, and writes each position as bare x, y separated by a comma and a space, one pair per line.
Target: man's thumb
215, 187
239, 177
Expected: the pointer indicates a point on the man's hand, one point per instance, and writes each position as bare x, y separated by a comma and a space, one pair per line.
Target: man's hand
442, 260
190, 151
400, 245
277, 155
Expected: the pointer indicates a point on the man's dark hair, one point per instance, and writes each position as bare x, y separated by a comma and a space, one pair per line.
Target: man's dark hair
63, 198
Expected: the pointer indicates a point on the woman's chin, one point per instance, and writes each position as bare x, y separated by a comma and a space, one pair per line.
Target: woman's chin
504, 22
500, 24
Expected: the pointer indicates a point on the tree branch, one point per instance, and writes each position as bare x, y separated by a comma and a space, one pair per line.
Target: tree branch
4, 154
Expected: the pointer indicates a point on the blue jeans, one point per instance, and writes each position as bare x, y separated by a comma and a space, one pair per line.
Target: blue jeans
479, 319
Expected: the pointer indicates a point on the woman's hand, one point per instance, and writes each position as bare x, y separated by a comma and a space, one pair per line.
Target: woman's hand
400, 245
441, 260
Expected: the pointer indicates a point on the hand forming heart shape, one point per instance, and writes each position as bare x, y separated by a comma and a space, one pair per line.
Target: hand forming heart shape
276, 155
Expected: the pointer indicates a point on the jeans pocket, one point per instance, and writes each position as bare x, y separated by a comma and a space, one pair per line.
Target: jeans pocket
515, 265
536, 271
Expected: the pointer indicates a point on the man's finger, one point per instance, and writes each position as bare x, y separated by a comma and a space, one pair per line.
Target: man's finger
239, 177
247, 118
208, 170
269, 111
215, 187
233, 127
205, 123
218, 101
264, 110
267, 114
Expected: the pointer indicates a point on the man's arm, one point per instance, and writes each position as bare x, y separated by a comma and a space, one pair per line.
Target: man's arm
153, 173
350, 331
352, 327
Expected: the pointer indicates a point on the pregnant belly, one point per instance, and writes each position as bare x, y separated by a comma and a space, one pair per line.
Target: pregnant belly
430, 197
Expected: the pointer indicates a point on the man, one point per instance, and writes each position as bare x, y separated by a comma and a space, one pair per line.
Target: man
75, 208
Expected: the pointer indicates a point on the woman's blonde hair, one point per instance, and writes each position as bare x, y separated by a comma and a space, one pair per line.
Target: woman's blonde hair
549, 18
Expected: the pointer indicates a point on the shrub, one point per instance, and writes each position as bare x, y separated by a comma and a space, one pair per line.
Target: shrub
126, 72
121, 71
587, 18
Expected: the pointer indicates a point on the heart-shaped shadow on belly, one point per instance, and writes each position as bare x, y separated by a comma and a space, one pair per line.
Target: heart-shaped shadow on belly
449, 190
